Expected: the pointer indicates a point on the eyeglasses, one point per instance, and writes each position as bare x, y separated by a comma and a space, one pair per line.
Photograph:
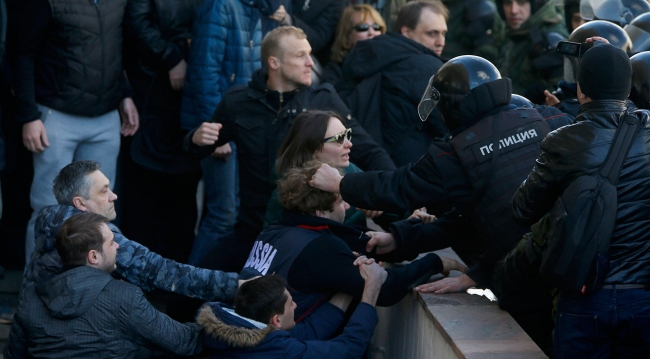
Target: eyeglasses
340, 138
365, 27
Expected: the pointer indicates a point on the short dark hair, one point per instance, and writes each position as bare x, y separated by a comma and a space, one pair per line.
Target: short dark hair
78, 235
73, 181
296, 194
409, 14
261, 298
305, 137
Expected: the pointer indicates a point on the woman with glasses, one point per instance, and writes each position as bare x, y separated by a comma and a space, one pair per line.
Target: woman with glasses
317, 135
358, 22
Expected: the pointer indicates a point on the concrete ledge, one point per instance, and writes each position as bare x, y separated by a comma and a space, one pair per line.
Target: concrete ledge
449, 326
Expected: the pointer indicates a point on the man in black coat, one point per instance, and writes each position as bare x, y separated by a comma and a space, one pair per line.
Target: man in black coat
607, 322
476, 169
157, 38
84, 313
257, 117
400, 63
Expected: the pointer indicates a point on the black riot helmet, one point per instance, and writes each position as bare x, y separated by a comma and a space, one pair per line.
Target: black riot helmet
463, 89
605, 29
620, 12
520, 101
640, 92
639, 32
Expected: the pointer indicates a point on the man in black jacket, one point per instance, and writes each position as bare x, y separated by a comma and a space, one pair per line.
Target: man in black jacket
157, 37
68, 315
70, 90
612, 320
476, 169
257, 117
400, 63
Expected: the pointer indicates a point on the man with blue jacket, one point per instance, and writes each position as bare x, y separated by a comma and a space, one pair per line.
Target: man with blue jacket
262, 323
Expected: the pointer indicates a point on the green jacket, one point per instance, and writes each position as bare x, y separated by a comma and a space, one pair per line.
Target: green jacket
516, 60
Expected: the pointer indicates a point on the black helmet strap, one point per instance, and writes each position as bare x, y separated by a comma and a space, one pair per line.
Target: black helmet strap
483, 98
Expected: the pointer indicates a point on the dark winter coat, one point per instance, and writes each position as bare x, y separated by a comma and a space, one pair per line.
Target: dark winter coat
69, 58
580, 149
85, 313
134, 261
157, 34
405, 68
231, 336
318, 19
258, 121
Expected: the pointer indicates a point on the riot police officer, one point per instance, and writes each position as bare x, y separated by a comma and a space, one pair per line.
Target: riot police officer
490, 149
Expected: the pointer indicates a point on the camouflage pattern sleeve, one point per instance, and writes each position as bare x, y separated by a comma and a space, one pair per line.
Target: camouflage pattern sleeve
148, 270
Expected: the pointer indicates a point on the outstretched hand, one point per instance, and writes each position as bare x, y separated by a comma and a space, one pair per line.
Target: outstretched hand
447, 285
422, 214
449, 264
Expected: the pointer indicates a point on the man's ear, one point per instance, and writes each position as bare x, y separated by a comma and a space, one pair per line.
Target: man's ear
92, 257
405, 31
320, 213
273, 62
79, 203
275, 321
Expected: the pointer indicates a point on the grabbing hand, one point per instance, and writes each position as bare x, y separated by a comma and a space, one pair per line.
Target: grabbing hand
177, 75
385, 242
447, 285
35, 136
423, 215
222, 152
373, 273
207, 134
326, 179
597, 38
129, 116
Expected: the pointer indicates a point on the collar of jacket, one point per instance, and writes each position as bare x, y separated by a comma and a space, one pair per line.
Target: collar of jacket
225, 330
602, 111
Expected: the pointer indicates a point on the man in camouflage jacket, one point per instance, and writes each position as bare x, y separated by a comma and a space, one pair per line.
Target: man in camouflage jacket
135, 262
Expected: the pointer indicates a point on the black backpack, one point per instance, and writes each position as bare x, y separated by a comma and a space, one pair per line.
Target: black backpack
582, 221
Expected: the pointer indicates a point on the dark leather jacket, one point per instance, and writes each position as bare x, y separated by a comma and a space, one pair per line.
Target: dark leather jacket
580, 149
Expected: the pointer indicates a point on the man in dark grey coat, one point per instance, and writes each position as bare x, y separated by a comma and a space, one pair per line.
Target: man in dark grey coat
83, 312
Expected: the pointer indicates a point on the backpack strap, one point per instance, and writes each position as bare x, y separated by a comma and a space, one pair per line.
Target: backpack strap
627, 129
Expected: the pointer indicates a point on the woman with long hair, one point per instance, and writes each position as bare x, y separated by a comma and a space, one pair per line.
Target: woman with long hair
357, 23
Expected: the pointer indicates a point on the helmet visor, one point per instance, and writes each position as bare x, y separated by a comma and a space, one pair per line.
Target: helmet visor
429, 101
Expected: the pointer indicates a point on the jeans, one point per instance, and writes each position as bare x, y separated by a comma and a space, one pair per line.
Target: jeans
610, 323
221, 193
72, 138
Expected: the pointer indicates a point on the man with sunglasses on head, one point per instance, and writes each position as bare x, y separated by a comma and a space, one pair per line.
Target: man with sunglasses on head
257, 118
399, 64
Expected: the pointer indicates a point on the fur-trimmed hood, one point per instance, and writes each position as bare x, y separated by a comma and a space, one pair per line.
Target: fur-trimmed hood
226, 330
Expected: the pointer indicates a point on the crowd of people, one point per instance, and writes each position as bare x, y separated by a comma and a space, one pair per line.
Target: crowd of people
469, 130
